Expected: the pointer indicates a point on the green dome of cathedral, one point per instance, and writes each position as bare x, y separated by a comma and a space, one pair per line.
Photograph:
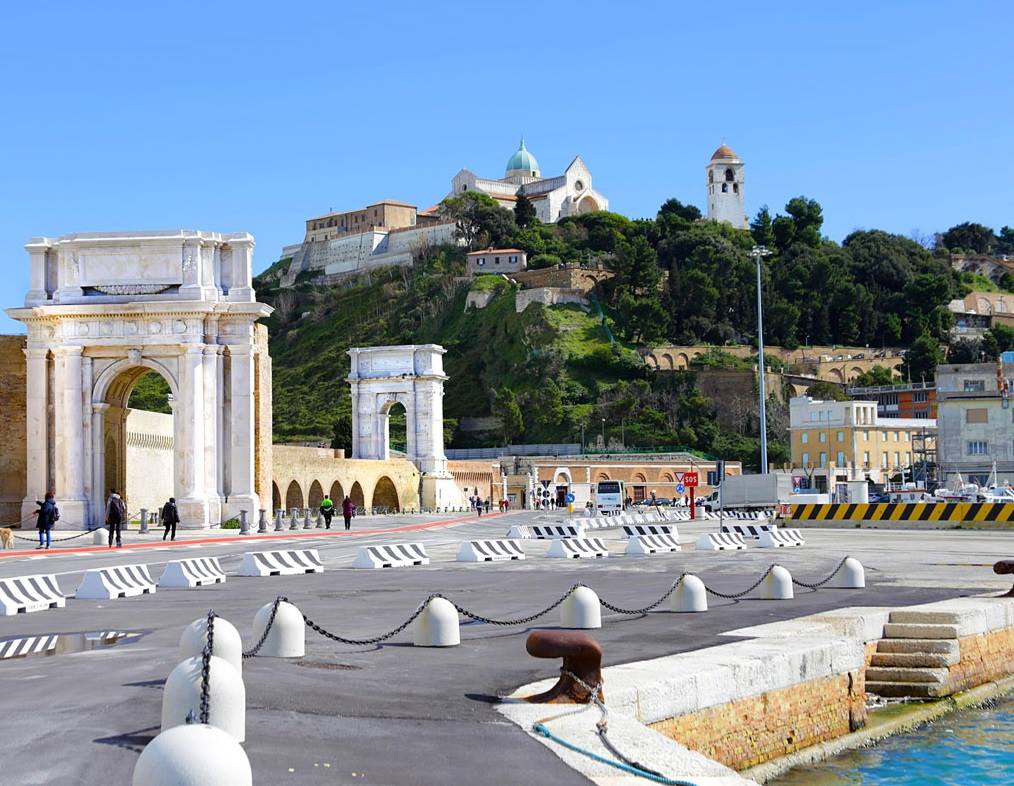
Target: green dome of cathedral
522, 160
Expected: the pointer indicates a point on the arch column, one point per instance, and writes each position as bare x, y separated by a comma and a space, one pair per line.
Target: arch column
70, 449
189, 435
36, 432
98, 469
240, 452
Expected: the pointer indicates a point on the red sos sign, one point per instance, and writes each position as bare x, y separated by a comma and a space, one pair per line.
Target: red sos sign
690, 479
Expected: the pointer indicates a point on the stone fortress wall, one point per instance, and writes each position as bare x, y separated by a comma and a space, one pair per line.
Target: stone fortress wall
13, 459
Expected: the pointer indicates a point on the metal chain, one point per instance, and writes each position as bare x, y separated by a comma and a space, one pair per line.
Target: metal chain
267, 629
822, 582
57, 540
518, 621
206, 670
645, 609
737, 595
376, 639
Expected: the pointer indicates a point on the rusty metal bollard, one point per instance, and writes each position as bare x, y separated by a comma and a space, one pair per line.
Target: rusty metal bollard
1002, 567
582, 657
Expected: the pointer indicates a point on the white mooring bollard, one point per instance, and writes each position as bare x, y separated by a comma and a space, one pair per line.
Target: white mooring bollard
100, 536
287, 637
581, 610
690, 595
280, 521
193, 755
437, 626
226, 696
851, 575
777, 585
227, 643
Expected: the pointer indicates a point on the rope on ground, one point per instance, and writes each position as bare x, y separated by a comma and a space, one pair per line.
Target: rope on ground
818, 584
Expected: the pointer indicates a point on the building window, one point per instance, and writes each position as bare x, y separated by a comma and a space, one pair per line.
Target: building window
729, 175
735, 188
806, 459
480, 261
905, 436
978, 447
841, 458
920, 396
975, 386
841, 436
883, 459
823, 459
813, 417
496, 260
725, 188
866, 458
883, 436
804, 438
980, 415
896, 435
866, 435
712, 477
897, 459
823, 437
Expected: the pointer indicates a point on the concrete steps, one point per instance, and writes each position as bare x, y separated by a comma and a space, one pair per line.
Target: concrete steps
912, 659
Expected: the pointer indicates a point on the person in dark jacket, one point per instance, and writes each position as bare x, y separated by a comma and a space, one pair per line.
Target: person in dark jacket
348, 511
116, 512
48, 515
327, 511
170, 518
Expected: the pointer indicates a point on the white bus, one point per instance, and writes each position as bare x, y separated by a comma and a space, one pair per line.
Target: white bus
609, 496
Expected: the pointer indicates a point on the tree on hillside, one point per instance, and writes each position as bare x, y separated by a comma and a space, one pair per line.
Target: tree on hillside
826, 391
969, 237
342, 439
966, 350
505, 406
481, 222
524, 212
1004, 241
922, 359
761, 228
878, 375
808, 217
999, 338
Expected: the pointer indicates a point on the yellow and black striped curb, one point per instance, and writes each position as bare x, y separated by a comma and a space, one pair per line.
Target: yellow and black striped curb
957, 512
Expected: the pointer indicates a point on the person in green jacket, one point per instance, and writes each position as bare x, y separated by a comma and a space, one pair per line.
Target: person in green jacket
327, 511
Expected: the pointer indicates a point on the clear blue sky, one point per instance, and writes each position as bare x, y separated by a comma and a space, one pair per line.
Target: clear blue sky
254, 117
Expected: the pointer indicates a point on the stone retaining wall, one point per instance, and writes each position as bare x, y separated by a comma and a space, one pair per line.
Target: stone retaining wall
986, 657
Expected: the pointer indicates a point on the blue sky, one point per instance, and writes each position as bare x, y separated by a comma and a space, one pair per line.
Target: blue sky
248, 116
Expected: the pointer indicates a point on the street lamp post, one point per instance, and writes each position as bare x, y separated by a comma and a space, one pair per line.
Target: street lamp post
603, 433
758, 252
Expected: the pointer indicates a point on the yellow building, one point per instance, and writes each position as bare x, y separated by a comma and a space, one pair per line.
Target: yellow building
833, 442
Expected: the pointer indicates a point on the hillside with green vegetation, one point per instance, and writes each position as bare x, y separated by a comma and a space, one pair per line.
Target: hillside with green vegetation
552, 373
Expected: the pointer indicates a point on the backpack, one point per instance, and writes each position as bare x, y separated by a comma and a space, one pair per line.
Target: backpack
56, 514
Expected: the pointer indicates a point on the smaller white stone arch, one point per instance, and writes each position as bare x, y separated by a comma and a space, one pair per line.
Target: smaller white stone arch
111, 374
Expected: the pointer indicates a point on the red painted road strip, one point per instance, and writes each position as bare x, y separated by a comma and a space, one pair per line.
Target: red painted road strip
252, 538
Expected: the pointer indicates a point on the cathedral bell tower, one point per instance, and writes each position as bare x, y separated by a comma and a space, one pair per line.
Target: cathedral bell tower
725, 188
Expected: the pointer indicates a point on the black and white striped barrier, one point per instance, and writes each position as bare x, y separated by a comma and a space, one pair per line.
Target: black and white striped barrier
23, 594
29, 645
720, 541
781, 538
634, 530
652, 544
189, 573
746, 515
120, 581
748, 530
395, 555
490, 551
544, 532
291, 562
577, 548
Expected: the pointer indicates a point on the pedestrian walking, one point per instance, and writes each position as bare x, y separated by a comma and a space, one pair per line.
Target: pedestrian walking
488, 505
116, 512
327, 511
348, 511
48, 515
478, 506
170, 518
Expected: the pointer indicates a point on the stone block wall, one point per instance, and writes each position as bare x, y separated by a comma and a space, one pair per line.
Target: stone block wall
549, 296
13, 457
263, 423
985, 657
754, 730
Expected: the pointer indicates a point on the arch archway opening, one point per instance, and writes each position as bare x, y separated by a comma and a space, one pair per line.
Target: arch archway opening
293, 496
315, 496
385, 496
276, 496
356, 494
337, 493
587, 205
394, 429
138, 437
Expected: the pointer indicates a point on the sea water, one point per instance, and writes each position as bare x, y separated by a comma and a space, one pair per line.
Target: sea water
971, 747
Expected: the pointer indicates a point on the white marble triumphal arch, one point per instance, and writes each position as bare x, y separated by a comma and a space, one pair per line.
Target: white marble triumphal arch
104, 309
413, 376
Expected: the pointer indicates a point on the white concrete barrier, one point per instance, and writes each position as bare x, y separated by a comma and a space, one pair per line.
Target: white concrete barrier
188, 573
748, 530
576, 548
544, 532
581, 610
851, 575
193, 755
226, 643
291, 562
777, 585
438, 625
690, 595
24, 594
394, 555
490, 551
632, 530
780, 538
287, 637
121, 581
652, 544
181, 696
29, 645
720, 541
100, 536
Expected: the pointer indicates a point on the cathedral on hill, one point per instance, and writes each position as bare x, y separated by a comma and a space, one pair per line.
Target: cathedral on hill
725, 188
554, 198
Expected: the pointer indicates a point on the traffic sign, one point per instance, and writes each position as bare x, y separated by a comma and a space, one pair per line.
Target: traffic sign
690, 479
570, 498
680, 488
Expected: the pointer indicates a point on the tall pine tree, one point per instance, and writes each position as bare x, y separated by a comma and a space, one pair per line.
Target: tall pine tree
524, 212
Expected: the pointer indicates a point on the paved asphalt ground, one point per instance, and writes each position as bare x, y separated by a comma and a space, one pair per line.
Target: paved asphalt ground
395, 714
